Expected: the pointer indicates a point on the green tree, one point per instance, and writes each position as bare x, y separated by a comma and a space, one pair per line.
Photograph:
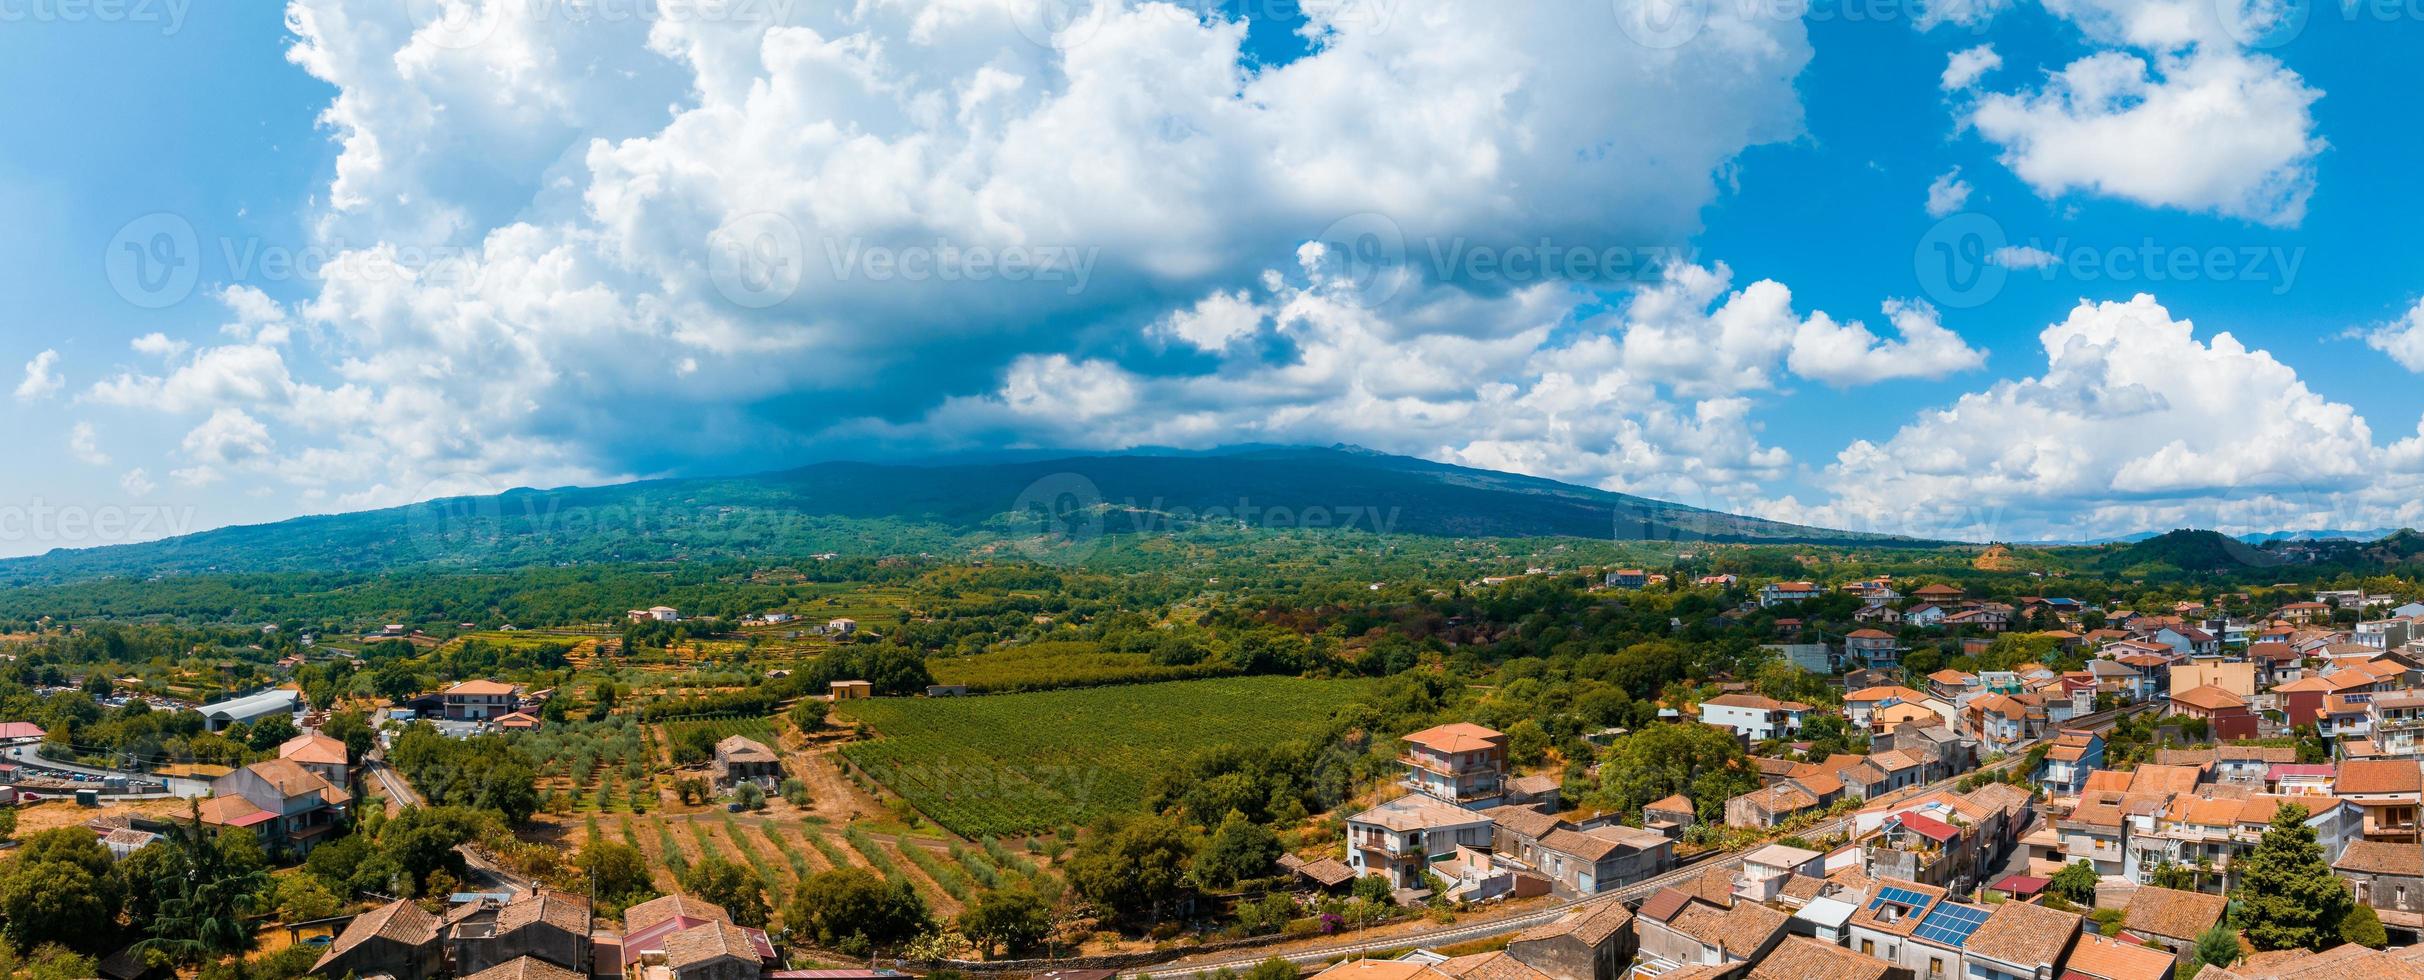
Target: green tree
202, 910
2217, 946
730, 885
1135, 867
1702, 762
2076, 882
1012, 918
2288, 896
617, 872
59, 888
853, 910
271, 732
1274, 968
353, 729
2364, 928
808, 714
1527, 743
1239, 849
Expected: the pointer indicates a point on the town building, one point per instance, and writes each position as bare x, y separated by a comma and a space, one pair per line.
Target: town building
1461, 763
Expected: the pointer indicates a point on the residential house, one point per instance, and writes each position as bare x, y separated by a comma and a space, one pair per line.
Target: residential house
480, 700
1767, 871
2074, 754
2170, 918
1878, 615
1937, 593
2000, 721
851, 690
2395, 723
1753, 716
1874, 647
1769, 807
543, 924
1881, 773
1778, 593
1592, 943
2095, 830
1860, 705
1914, 846
1803, 958
2120, 680
2211, 829
1587, 862
320, 754
289, 806
1628, 578
1952, 685
2388, 878
2275, 663
1983, 619
2018, 941
2301, 779
2244, 765
2098, 957
2225, 713
2390, 792
1678, 930
1461, 763
2236, 677
691, 940
740, 759
1884, 925
1399, 839
395, 940
525, 968
1671, 816
2188, 641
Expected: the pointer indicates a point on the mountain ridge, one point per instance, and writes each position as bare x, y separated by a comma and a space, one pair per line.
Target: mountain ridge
932, 505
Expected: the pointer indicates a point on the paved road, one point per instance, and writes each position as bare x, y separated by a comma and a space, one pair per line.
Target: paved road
1628, 894
482, 874
31, 754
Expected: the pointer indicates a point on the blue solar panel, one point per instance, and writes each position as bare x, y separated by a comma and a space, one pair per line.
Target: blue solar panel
1951, 925
1899, 896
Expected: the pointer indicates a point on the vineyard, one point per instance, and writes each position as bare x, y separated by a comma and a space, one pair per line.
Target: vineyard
785, 852
1054, 664
1016, 763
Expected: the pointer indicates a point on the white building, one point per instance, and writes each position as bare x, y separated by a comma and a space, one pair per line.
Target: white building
1753, 716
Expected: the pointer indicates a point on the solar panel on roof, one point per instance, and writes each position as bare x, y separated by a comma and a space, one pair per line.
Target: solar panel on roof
1951, 925
1899, 896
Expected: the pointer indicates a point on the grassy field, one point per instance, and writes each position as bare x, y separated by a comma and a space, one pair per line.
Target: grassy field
1016, 763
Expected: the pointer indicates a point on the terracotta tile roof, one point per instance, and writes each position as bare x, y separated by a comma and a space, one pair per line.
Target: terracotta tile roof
232, 811
1677, 803
554, 908
398, 921
1458, 737
1803, 958
707, 943
1905, 920
1714, 886
1664, 903
1592, 926
1523, 820
742, 748
1738, 931
1884, 691
2373, 776
1327, 872
1495, 965
2165, 779
313, 749
480, 687
1951, 676
2379, 857
1378, 970
2024, 935
1893, 760
525, 968
657, 910
2172, 914
2102, 958
2209, 698
1415, 811
2107, 780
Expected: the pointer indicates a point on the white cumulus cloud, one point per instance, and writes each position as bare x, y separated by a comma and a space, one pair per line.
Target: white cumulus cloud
41, 377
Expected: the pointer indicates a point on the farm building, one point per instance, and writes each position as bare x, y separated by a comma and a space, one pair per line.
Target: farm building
249, 708
742, 759
853, 690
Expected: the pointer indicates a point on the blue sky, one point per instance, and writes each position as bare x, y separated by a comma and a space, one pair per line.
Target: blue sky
539, 247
